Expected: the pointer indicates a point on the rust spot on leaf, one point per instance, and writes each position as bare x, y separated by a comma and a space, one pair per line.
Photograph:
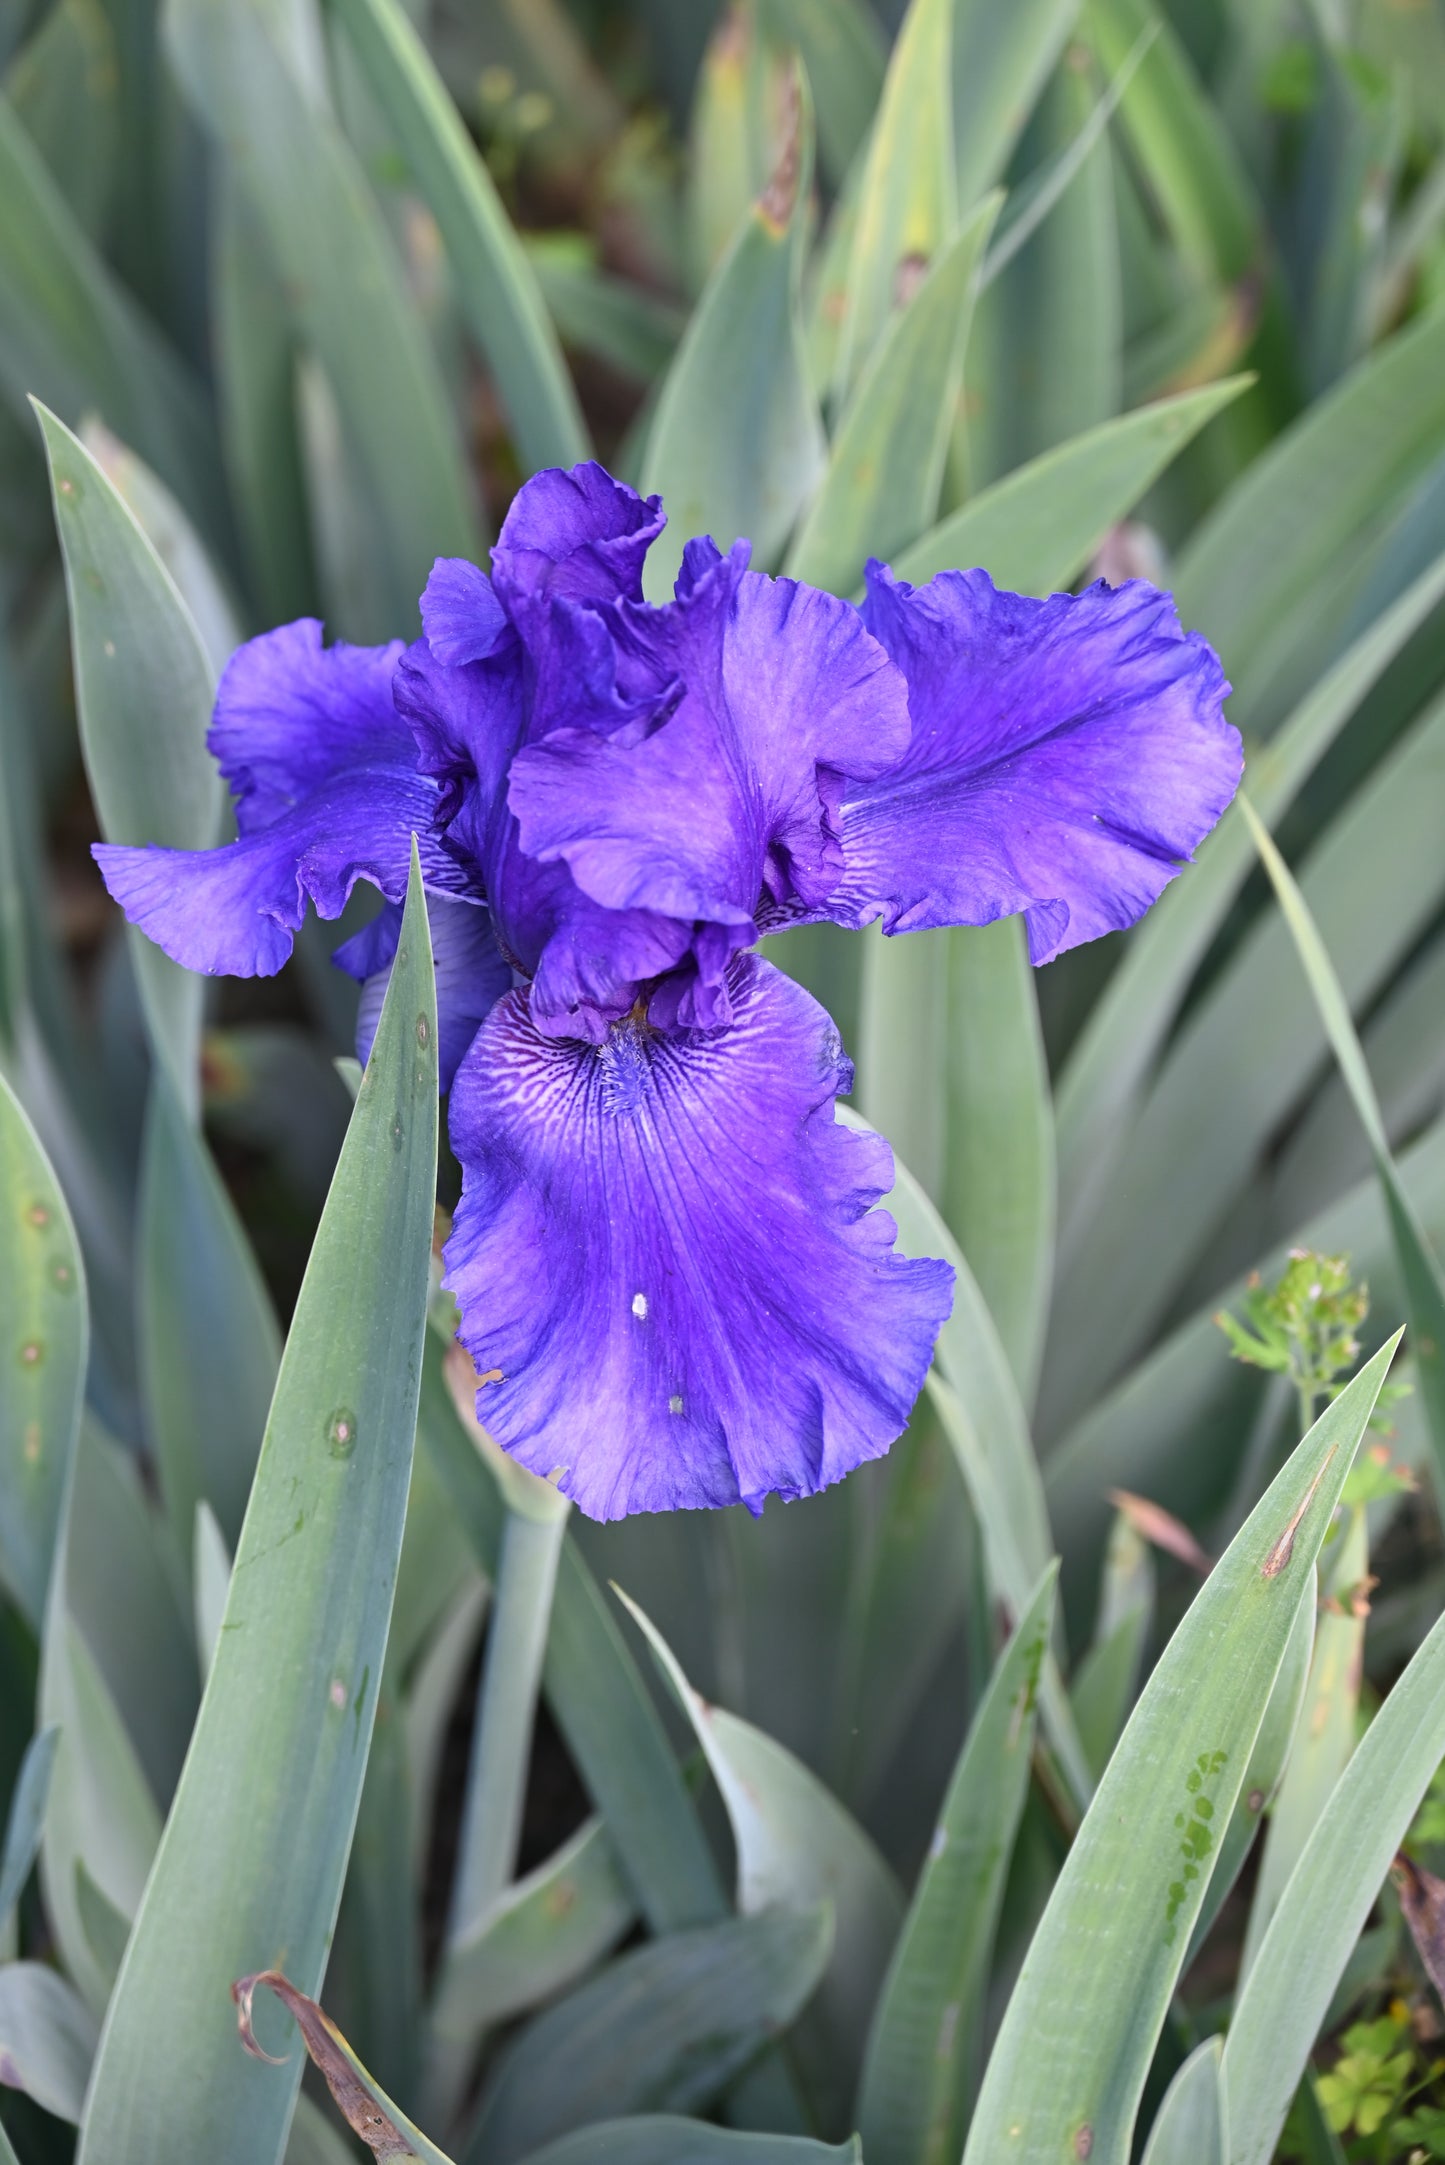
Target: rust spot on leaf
781, 194
1283, 1549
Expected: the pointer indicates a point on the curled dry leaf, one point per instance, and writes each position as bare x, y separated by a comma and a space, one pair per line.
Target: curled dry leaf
1154, 1524
367, 2110
1422, 1903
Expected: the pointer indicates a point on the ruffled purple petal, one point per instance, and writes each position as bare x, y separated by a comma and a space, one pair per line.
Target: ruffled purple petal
576, 534
460, 614
236, 910
588, 963
670, 1275
292, 715
1067, 757
471, 974
734, 795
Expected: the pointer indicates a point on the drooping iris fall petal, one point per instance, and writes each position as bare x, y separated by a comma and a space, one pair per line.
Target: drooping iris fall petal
667, 1259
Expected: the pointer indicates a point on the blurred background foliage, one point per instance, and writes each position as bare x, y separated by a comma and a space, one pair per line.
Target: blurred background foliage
1067, 290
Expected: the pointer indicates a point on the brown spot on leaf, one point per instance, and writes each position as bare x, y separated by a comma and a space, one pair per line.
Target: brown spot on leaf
1283, 1549
1084, 2142
781, 194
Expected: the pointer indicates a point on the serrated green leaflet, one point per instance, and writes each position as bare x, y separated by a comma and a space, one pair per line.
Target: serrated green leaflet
736, 445
495, 287
1192, 2125
1326, 1903
42, 1297
1080, 2029
1419, 1267
797, 1848
921, 2065
1034, 530
143, 688
885, 463
907, 191
325, 235
667, 2027
273, 1777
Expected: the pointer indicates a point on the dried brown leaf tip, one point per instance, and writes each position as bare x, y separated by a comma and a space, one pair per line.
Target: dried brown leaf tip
781, 194
1422, 1904
367, 2113
1154, 1524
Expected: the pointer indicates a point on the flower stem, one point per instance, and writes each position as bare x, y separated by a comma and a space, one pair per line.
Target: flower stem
506, 1709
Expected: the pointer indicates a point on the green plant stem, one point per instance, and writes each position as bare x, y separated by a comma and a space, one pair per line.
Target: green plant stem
502, 1740
501, 1754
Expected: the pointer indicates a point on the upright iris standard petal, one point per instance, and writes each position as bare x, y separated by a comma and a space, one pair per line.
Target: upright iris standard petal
471, 974
327, 791
576, 535
780, 692
587, 963
1067, 757
672, 1281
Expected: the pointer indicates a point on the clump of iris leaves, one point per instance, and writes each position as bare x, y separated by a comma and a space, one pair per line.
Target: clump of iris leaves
864, 1828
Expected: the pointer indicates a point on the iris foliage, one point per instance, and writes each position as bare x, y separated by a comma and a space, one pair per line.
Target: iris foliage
1033, 1791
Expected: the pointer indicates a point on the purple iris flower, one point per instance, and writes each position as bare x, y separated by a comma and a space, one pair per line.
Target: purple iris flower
666, 1256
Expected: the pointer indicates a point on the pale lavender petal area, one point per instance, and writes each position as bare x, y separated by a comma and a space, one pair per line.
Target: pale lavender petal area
1067, 758
236, 910
671, 1276
781, 691
327, 790
471, 974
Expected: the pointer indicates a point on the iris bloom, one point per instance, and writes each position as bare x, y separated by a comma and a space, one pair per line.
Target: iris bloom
666, 1257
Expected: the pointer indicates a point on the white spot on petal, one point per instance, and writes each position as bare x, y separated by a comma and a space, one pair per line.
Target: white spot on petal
674, 1404
639, 1306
